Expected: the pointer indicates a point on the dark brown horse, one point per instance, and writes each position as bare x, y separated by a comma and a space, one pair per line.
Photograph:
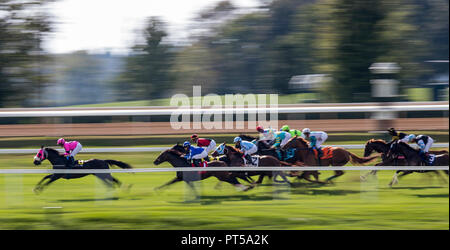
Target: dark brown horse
176, 159
235, 157
412, 158
380, 146
339, 157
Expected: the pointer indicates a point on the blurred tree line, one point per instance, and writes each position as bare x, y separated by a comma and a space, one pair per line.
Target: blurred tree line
256, 52
259, 52
23, 26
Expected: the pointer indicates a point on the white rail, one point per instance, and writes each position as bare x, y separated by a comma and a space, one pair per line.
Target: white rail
329, 108
160, 149
196, 169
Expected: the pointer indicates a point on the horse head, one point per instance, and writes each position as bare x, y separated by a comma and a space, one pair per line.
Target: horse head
46, 154
168, 155
41, 156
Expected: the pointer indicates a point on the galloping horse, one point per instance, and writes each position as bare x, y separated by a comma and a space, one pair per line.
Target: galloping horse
339, 156
176, 159
59, 162
380, 146
236, 159
413, 158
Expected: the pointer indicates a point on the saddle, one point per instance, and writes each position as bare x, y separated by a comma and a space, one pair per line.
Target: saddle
327, 153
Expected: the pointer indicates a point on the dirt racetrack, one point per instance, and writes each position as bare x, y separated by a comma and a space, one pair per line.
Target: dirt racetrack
158, 128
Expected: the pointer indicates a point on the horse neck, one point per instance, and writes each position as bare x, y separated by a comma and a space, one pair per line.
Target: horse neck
55, 158
177, 161
380, 147
233, 156
407, 151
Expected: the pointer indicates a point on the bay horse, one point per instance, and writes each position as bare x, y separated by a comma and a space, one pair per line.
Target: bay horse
176, 159
339, 156
241, 175
412, 158
58, 161
235, 157
380, 146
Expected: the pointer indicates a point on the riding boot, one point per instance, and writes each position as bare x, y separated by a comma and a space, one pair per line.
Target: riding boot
249, 159
280, 156
197, 162
319, 155
70, 161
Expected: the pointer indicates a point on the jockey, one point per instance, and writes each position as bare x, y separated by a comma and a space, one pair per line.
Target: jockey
194, 153
210, 144
266, 135
316, 138
282, 137
293, 132
396, 135
408, 138
246, 147
71, 148
425, 142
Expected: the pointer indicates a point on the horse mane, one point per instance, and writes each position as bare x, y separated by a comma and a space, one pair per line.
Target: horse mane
375, 141
175, 152
53, 151
234, 150
300, 139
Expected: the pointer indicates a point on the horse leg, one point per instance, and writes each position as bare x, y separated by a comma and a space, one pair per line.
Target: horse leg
38, 188
260, 179
337, 173
397, 176
306, 175
105, 178
233, 181
283, 176
52, 177
174, 180
191, 185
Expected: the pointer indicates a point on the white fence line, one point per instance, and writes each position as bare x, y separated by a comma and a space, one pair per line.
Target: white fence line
438, 106
159, 149
195, 169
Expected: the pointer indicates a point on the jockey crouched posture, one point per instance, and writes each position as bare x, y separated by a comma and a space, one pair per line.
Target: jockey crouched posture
71, 148
316, 138
247, 148
396, 135
293, 132
195, 154
208, 144
281, 139
425, 142
266, 136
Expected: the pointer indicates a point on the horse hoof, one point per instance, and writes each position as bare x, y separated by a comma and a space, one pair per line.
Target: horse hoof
248, 188
37, 190
363, 178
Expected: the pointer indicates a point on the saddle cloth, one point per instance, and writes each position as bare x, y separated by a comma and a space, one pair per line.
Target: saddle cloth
254, 163
202, 164
327, 153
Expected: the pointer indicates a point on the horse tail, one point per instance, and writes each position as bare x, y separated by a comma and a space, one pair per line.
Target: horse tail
118, 163
361, 160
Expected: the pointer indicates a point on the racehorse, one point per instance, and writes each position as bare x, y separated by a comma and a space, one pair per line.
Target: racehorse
224, 158
236, 159
176, 159
412, 158
265, 149
338, 157
59, 162
380, 146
